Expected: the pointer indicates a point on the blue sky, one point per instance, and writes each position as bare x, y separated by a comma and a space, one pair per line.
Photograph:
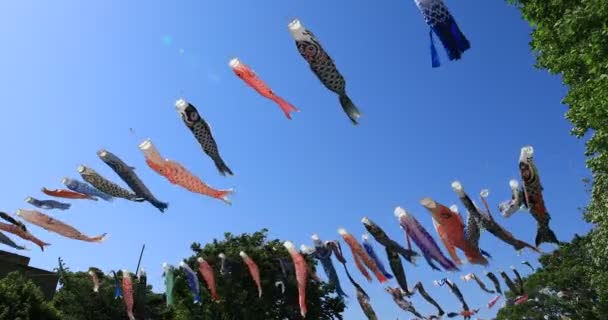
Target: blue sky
77, 76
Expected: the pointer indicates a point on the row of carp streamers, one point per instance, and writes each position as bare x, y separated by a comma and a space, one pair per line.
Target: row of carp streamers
452, 230
363, 254
447, 221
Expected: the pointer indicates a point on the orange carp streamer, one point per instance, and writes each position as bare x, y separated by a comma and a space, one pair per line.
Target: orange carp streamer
361, 257
177, 174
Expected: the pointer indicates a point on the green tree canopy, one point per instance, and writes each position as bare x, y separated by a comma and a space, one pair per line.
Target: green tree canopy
570, 38
21, 299
77, 300
567, 270
238, 294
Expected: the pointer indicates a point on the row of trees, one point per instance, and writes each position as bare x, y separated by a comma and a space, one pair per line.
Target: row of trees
75, 300
570, 38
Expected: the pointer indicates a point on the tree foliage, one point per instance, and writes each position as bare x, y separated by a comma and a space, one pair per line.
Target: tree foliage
77, 300
238, 294
570, 38
567, 270
21, 299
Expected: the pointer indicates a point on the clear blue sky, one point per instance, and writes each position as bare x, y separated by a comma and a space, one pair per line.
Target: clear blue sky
76, 76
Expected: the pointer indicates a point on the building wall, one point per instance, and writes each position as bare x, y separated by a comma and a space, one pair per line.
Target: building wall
46, 280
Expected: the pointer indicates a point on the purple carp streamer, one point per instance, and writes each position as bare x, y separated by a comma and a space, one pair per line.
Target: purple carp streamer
437, 16
533, 191
517, 202
47, 204
54, 225
482, 286
323, 66
424, 241
487, 222
192, 281
372, 254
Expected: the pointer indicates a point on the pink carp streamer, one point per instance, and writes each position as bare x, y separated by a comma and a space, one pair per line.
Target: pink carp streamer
207, 273
127, 290
177, 174
361, 257
247, 74
301, 274
25, 235
253, 270
54, 225
494, 300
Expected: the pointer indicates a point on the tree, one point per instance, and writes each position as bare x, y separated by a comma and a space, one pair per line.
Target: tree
21, 299
566, 270
238, 294
77, 300
569, 38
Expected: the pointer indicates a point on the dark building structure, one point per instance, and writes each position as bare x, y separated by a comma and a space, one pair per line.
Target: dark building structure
46, 280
